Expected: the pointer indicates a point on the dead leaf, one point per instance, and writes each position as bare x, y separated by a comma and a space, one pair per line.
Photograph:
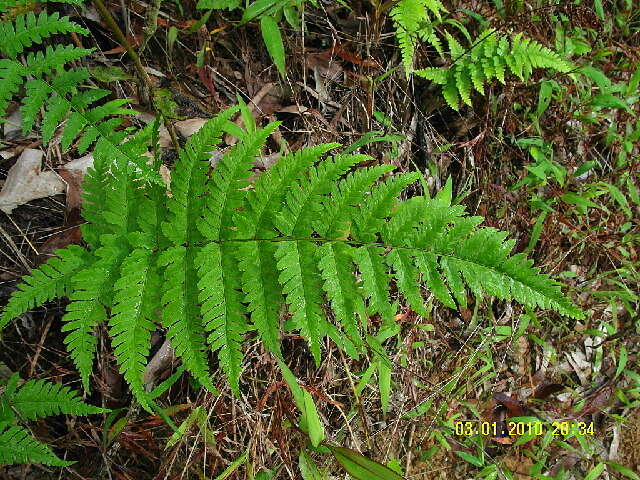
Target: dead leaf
546, 389
26, 181
345, 54
293, 109
188, 127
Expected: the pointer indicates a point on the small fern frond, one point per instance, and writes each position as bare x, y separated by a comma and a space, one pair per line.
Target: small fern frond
93, 290
29, 29
339, 282
339, 209
228, 180
11, 75
490, 57
17, 445
50, 280
375, 279
44, 63
378, 205
406, 276
302, 201
38, 399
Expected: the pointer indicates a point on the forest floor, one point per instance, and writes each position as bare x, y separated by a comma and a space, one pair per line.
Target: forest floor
342, 81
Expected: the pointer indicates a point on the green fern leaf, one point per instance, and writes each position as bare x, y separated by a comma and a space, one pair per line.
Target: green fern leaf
406, 275
229, 178
222, 308
488, 58
93, 289
463, 82
38, 399
301, 283
50, 280
44, 63
181, 312
18, 446
339, 209
375, 278
378, 205
337, 270
131, 321
188, 181
413, 20
257, 260
427, 264
11, 75
29, 29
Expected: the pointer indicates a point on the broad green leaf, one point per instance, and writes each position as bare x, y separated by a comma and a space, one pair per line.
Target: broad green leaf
595, 472
384, 384
308, 469
470, 458
273, 40
362, 468
312, 420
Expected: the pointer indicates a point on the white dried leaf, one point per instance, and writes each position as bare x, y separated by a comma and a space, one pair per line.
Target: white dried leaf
26, 181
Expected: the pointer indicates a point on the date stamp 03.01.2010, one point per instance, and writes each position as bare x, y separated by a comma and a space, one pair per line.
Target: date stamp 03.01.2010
519, 428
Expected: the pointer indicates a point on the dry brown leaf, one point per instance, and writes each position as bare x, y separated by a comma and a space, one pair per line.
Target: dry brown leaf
26, 181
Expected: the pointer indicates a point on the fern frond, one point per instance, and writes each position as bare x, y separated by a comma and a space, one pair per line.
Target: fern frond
302, 201
375, 278
257, 260
339, 208
490, 57
484, 262
29, 29
38, 399
188, 181
378, 205
406, 275
44, 63
50, 280
340, 285
18, 446
228, 180
226, 322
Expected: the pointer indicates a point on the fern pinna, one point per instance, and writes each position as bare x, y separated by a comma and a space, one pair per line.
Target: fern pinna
33, 400
219, 260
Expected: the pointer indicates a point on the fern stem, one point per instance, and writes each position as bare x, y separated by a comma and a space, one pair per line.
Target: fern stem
147, 86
